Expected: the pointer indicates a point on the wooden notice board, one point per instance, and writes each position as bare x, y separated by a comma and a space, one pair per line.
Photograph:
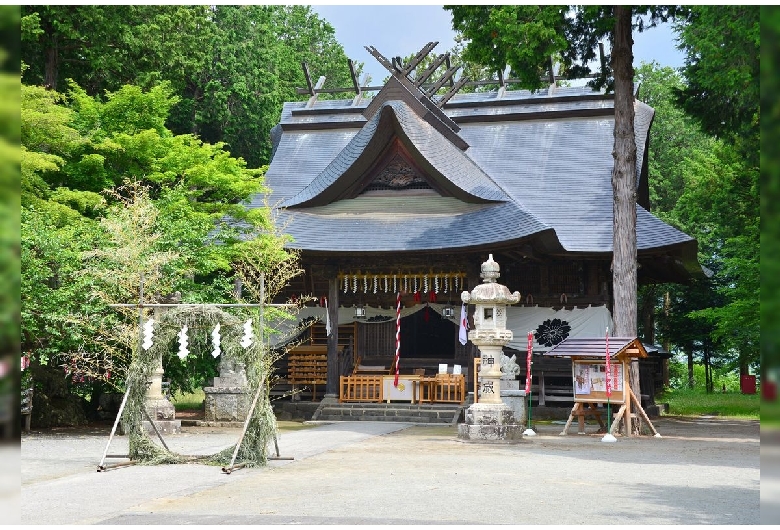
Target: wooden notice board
590, 378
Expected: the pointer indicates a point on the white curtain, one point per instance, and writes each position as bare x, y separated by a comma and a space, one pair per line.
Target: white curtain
586, 322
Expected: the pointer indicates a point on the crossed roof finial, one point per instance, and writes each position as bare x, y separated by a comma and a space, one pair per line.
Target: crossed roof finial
403, 71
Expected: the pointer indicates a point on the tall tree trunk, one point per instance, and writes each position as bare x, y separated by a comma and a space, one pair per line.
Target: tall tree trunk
666, 343
691, 381
624, 188
52, 66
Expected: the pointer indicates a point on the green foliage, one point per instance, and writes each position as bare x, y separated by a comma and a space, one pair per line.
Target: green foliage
722, 377
522, 36
708, 189
107, 192
770, 190
672, 138
229, 67
722, 46
526, 37
687, 402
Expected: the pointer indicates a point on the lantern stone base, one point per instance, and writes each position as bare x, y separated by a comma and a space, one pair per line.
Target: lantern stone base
226, 403
490, 423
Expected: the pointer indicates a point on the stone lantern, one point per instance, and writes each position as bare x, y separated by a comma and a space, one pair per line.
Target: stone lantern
490, 419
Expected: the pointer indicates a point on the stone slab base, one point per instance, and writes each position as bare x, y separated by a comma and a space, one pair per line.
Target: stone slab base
164, 426
490, 423
490, 433
220, 424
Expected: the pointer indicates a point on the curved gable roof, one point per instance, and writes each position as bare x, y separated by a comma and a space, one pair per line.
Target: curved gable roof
450, 169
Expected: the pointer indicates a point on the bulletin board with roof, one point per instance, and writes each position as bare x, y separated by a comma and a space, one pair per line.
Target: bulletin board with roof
598, 365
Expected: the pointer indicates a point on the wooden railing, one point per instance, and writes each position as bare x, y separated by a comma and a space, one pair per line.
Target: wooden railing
365, 388
448, 388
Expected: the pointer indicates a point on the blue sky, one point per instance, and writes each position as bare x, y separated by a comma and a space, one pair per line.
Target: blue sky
400, 30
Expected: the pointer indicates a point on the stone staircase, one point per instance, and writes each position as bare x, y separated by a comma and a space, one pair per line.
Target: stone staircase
443, 414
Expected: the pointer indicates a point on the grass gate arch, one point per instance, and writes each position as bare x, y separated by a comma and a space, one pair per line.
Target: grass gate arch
201, 319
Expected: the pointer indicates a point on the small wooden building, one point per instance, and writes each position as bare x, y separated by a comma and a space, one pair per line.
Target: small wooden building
410, 191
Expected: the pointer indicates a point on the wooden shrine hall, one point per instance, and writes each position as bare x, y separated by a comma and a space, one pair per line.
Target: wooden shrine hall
409, 191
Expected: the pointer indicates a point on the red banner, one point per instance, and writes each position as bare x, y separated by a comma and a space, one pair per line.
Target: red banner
528, 363
609, 369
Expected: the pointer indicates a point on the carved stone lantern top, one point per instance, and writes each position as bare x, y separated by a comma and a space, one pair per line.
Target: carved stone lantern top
490, 291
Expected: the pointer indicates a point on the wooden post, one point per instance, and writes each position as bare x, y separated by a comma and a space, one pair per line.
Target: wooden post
332, 385
627, 397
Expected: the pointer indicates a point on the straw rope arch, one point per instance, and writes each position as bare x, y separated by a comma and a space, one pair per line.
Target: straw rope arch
256, 359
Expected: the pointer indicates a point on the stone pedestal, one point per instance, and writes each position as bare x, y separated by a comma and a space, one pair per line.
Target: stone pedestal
515, 400
160, 410
228, 398
489, 422
157, 405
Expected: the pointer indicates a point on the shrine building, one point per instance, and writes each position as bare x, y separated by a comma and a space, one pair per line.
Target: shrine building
409, 191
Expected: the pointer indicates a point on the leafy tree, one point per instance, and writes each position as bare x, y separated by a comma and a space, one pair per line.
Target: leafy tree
770, 191
722, 46
86, 233
526, 37
706, 188
230, 67
673, 136
721, 201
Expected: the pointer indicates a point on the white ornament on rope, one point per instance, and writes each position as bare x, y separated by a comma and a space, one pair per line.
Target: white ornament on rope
365, 284
183, 343
446, 283
436, 284
215, 341
354, 283
456, 284
394, 284
406, 283
246, 340
375, 283
346, 283
425, 283
415, 284
148, 334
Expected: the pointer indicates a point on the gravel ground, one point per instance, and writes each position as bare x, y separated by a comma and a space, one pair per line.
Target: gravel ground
702, 471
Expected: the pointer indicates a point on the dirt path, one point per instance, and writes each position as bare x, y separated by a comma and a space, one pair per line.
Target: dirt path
704, 471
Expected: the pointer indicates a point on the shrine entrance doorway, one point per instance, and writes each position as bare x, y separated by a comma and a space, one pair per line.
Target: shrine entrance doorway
425, 334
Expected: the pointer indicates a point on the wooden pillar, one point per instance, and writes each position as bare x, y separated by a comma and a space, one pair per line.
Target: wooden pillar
627, 397
332, 386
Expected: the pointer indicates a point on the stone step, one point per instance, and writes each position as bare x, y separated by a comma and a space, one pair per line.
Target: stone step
399, 419
389, 412
397, 412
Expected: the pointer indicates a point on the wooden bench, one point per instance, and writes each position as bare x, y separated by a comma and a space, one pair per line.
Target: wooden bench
308, 365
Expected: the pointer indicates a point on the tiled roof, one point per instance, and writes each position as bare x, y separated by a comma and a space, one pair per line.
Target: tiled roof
449, 166
596, 347
544, 161
391, 224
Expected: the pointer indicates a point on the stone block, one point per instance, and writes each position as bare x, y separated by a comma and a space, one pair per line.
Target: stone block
226, 403
163, 426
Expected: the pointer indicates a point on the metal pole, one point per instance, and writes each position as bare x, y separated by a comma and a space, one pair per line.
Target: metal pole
155, 429
101, 465
229, 468
113, 429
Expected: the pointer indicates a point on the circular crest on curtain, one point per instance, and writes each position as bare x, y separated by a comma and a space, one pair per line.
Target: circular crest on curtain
552, 332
